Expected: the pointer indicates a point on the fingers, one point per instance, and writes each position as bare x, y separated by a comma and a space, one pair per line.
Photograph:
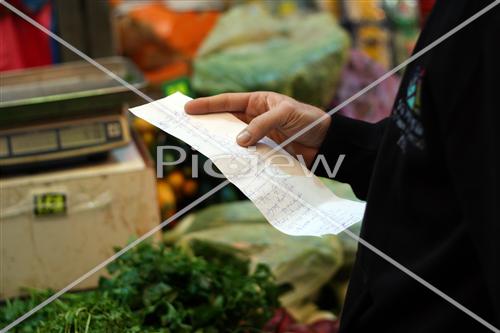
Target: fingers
261, 125
220, 103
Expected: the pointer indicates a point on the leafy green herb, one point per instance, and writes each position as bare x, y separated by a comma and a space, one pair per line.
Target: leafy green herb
85, 312
159, 289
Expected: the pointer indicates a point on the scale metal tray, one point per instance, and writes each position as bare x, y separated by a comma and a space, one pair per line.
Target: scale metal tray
66, 90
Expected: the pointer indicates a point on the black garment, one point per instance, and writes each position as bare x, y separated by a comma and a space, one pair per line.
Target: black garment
429, 174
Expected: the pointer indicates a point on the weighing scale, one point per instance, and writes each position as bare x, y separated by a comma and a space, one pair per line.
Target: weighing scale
66, 111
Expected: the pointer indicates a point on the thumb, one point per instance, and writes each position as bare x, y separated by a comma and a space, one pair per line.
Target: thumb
261, 125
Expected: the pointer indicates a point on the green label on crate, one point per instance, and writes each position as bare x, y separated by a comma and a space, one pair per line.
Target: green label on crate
179, 85
47, 204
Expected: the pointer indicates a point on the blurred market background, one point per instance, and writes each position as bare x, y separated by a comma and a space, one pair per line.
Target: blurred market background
78, 172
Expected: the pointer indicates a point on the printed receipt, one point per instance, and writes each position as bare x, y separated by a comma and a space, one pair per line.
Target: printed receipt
291, 198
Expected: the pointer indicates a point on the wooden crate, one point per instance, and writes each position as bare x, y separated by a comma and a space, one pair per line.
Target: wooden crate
56, 226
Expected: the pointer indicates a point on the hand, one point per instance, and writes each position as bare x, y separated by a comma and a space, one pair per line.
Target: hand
269, 114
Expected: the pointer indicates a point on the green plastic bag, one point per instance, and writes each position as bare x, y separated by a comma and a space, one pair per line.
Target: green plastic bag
238, 228
306, 263
251, 50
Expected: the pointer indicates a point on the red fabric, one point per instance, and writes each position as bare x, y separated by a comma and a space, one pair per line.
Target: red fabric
21, 44
425, 7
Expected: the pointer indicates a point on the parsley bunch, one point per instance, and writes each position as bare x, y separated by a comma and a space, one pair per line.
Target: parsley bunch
159, 289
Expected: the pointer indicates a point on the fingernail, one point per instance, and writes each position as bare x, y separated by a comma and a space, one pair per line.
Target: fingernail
243, 137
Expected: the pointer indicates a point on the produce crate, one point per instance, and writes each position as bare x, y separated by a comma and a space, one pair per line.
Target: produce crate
57, 225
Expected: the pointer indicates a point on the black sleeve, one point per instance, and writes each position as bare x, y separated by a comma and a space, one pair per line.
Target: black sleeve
468, 111
359, 141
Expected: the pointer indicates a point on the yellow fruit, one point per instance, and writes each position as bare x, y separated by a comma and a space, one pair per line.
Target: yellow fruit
190, 187
166, 195
176, 180
148, 138
142, 126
